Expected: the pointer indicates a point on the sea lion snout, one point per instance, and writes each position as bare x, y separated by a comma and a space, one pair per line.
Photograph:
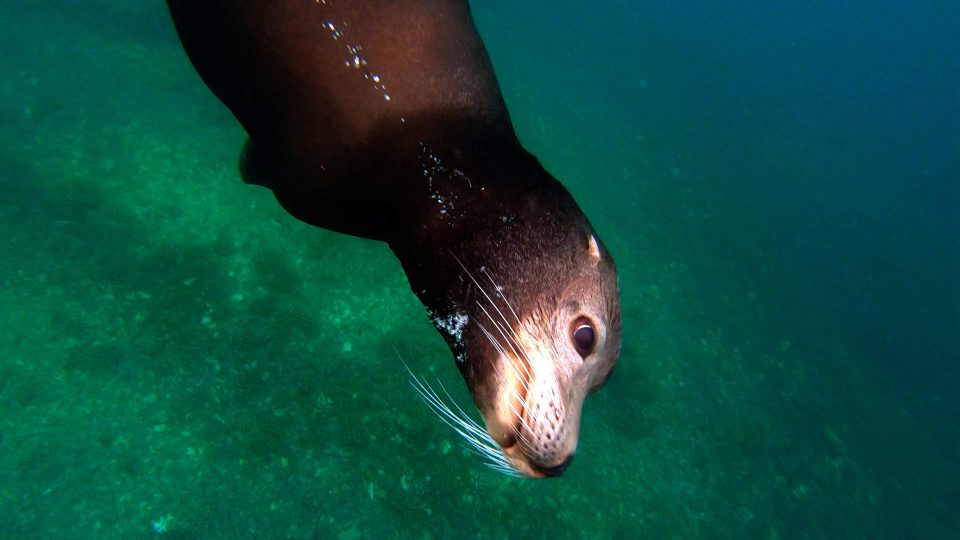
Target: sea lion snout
531, 405
556, 470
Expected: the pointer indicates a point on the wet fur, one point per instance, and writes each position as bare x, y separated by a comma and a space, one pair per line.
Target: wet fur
383, 119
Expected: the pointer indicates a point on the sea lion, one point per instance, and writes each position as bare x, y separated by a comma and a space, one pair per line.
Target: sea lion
383, 119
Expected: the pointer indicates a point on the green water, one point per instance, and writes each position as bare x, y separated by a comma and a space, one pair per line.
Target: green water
179, 358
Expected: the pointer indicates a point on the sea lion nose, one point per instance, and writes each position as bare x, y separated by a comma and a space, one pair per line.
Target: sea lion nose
556, 470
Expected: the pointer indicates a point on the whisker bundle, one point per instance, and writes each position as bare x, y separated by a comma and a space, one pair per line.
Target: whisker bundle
480, 442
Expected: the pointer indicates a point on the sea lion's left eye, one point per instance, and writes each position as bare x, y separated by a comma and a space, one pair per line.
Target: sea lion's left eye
583, 337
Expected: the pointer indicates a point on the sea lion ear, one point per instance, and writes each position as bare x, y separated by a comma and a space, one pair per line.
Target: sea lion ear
594, 249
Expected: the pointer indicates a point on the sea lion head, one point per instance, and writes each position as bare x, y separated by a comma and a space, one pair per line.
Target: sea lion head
532, 316
542, 353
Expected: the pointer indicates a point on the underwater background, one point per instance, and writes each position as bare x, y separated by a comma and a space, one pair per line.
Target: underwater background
779, 183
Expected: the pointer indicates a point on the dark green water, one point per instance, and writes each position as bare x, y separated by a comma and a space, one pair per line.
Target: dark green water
780, 185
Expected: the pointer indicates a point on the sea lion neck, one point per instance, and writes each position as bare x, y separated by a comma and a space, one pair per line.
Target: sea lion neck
438, 170
468, 190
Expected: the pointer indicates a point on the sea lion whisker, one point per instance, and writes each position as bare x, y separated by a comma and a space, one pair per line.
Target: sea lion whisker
523, 404
500, 331
498, 288
509, 471
481, 433
521, 417
514, 342
485, 294
493, 455
492, 339
509, 335
506, 301
509, 359
479, 440
478, 448
523, 423
525, 377
429, 395
463, 427
501, 376
503, 354
510, 331
520, 377
491, 449
481, 443
523, 359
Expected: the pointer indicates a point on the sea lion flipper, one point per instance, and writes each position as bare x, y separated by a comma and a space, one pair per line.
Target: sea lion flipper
251, 168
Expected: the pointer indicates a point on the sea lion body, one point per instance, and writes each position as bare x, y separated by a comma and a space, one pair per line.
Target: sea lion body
383, 119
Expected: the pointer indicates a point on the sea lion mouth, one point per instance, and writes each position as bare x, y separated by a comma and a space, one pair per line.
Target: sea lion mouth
520, 461
511, 443
555, 470
525, 464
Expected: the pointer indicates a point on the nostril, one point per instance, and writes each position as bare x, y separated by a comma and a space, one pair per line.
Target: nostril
556, 470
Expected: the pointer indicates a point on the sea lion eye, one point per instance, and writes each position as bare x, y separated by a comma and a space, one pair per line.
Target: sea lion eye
583, 337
